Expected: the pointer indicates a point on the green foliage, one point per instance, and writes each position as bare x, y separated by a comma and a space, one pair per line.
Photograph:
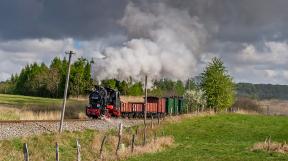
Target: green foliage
135, 89
217, 85
166, 87
194, 99
40, 80
109, 83
124, 87
262, 91
191, 85
80, 78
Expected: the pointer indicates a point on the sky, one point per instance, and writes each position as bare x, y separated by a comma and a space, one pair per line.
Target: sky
163, 38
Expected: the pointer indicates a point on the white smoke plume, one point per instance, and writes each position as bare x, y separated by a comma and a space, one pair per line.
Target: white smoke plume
164, 42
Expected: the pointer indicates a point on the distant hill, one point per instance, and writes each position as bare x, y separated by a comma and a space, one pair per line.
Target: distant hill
262, 91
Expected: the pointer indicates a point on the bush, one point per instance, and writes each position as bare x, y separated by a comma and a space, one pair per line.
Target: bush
247, 104
194, 99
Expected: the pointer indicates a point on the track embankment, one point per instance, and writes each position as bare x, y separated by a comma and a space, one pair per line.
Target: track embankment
22, 128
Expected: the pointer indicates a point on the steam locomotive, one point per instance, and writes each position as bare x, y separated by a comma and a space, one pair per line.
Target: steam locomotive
103, 102
106, 102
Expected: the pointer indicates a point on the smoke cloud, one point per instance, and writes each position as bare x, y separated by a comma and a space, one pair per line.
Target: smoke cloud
164, 42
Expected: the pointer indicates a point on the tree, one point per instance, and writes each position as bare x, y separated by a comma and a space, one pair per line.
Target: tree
217, 85
194, 99
166, 87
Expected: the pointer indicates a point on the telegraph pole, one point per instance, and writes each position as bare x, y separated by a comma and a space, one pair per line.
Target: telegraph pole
145, 109
70, 53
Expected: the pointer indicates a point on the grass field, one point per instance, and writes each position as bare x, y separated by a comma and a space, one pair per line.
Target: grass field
214, 137
222, 137
42, 147
17, 107
26, 101
26, 107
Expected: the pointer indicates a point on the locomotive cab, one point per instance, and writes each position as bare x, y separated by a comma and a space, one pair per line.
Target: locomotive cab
95, 100
103, 101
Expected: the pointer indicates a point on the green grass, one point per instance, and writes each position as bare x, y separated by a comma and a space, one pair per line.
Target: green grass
39, 104
222, 137
26, 101
42, 147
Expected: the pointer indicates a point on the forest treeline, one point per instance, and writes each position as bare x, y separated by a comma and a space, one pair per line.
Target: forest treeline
262, 91
49, 81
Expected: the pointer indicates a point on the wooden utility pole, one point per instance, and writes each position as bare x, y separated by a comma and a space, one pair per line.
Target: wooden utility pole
70, 53
145, 109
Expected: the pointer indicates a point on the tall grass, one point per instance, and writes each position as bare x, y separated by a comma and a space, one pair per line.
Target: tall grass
14, 107
43, 147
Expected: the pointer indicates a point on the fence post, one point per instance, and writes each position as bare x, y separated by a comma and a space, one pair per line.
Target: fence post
119, 138
132, 143
151, 122
136, 131
102, 145
57, 152
158, 117
155, 136
78, 151
25, 151
144, 139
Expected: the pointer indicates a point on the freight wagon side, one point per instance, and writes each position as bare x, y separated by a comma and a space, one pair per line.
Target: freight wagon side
132, 109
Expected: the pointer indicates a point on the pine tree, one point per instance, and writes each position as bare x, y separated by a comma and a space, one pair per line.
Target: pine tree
217, 85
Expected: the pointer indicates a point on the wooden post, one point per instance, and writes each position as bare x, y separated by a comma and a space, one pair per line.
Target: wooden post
144, 138
269, 142
78, 151
155, 136
136, 131
57, 152
132, 143
102, 145
151, 122
25, 151
158, 117
119, 138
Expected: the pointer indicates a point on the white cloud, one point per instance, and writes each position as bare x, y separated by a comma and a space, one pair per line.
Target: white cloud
262, 63
15, 54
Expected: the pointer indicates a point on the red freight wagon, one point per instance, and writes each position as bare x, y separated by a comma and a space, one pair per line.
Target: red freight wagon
156, 105
132, 109
162, 105
124, 107
136, 106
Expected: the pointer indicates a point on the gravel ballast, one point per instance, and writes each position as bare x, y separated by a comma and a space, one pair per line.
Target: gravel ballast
13, 130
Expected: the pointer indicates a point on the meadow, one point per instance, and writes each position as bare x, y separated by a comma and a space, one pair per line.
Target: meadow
189, 137
17, 107
222, 137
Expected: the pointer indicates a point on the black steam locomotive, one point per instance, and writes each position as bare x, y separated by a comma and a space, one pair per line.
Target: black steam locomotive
103, 102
